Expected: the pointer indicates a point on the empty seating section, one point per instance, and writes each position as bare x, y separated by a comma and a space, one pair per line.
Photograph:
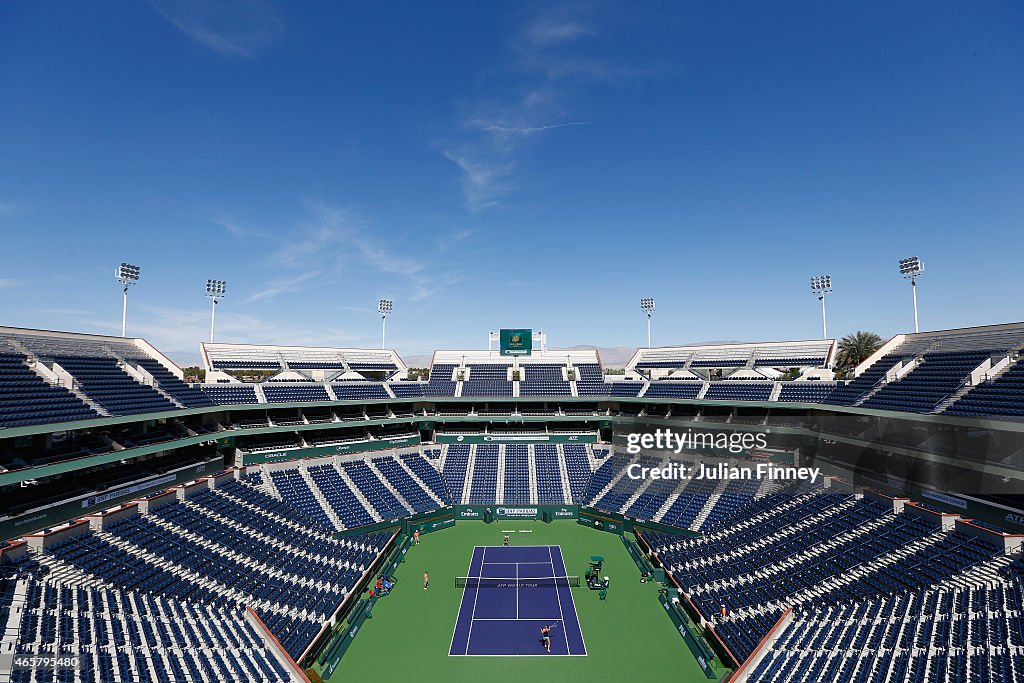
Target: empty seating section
484, 487
731, 501
185, 394
590, 380
517, 475
1002, 396
616, 497
406, 486
105, 382
543, 379
440, 383
428, 475
152, 638
847, 394
625, 389
691, 500
806, 392
25, 398
548, 476
578, 465
604, 474
456, 462
221, 550
961, 634
296, 492
490, 379
935, 378
673, 389
357, 391
230, 394
653, 498
376, 491
411, 389
339, 496
812, 549
122, 378
294, 393
739, 391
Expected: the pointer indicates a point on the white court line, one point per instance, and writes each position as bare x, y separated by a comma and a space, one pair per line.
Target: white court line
517, 591
472, 616
456, 627
579, 626
547, 621
565, 633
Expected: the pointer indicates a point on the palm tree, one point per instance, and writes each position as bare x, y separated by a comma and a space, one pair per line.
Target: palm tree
855, 348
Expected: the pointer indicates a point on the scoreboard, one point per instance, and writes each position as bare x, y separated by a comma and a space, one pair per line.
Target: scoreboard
515, 342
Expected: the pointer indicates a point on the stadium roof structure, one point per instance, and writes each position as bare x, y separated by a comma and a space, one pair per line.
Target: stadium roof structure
218, 356
813, 353
557, 356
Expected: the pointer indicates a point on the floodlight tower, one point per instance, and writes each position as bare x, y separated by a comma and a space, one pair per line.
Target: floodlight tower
647, 306
911, 269
384, 307
215, 291
820, 286
127, 275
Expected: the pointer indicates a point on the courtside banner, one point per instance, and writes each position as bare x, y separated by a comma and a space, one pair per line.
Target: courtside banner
467, 512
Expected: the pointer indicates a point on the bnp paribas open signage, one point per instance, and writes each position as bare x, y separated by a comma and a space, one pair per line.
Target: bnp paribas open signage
516, 342
517, 512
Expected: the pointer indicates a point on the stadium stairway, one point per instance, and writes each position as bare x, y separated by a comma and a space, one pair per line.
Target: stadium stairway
318, 495
422, 484
531, 469
563, 470
468, 482
499, 486
359, 494
391, 487
712, 501
641, 489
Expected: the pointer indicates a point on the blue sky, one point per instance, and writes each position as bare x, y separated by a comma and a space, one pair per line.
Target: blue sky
509, 164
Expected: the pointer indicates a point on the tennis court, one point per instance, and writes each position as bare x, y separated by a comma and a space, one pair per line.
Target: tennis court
509, 593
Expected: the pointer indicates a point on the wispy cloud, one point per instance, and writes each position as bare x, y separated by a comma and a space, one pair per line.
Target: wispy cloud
549, 30
530, 130
10, 282
484, 182
234, 27
181, 329
328, 243
279, 286
550, 63
9, 209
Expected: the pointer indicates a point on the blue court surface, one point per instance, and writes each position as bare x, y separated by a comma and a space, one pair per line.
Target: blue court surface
511, 593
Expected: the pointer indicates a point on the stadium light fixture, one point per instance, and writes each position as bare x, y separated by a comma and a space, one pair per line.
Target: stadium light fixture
911, 269
127, 274
647, 306
384, 307
215, 291
820, 286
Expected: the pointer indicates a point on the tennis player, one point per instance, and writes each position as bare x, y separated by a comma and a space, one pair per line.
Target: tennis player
426, 580
545, 637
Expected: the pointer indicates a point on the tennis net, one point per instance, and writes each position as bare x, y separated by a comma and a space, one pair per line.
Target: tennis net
475, 582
